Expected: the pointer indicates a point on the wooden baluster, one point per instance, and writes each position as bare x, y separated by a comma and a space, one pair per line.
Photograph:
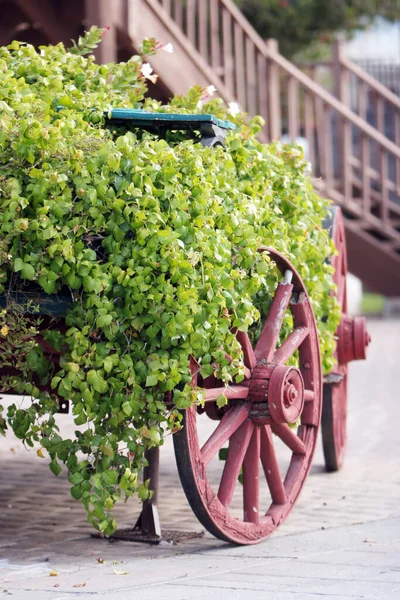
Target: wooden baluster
328, 141
178, 13
202, 8
227, 49
240, 81
346, 154
293, 109
320, 118
362, 99
380, 115
383, 181
262, 104
365, 177
397, 141
215, 36
251, 84
309, 129
191, 20
274, 94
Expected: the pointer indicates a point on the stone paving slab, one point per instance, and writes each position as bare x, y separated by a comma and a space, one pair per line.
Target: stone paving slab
343, 565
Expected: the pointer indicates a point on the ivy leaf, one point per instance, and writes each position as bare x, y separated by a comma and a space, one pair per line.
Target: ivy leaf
55, 467
26, 269
108, 364
104, 320
110, 477
221, 400
151, 380
95, 379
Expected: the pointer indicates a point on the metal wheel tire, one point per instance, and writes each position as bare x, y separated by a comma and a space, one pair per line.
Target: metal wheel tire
272, 395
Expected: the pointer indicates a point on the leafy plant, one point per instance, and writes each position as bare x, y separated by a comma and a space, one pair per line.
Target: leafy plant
155, 243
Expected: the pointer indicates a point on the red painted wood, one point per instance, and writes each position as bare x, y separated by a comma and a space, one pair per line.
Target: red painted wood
234, 392
229, 423
271, 467
265, 346
288, 437
251, 479
249, 358
309, 359
334, 415
290, 345
238, 445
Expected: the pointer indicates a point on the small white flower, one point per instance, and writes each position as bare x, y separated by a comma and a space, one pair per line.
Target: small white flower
234, 108
211, 90
200, 104
147, 71
168, 48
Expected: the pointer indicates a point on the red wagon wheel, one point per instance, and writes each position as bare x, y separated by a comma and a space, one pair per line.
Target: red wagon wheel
352, 342
334, 407
273, 396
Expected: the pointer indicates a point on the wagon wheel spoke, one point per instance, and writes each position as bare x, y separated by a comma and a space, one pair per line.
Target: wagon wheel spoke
238, 445
290, 345
249, 358
265, 346
229, 423
271, 467
289, 438
232, 392
251, 479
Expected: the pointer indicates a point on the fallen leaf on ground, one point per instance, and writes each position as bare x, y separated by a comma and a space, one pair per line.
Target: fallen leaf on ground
100, 560
369, 541
80, 584
53, 573
120, 572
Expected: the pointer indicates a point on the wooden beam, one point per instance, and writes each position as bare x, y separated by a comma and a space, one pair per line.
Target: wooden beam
12, 21
42, 12
106, 13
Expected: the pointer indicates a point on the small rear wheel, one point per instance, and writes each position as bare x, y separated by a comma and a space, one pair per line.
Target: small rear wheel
269, 425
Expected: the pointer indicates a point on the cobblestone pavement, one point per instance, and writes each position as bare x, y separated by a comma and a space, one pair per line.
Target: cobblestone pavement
43, 528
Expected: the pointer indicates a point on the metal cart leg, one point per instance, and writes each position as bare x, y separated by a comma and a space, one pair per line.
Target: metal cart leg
148, 523
147, 528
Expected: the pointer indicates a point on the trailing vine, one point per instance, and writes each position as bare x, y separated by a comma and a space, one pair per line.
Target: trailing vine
151, 242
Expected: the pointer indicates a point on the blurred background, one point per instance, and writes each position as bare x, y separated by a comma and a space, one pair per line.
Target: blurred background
324, 75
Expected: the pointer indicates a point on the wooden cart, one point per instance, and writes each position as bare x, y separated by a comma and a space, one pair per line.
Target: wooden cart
262, 408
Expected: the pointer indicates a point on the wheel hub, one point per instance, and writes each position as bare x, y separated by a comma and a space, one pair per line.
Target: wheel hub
285, 394
353, 339
276, 393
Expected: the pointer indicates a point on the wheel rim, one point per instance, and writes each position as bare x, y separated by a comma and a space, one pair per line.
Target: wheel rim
250, 419
334, 415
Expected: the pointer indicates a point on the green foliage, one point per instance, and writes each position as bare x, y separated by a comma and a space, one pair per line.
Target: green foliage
156, 242
298, 23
